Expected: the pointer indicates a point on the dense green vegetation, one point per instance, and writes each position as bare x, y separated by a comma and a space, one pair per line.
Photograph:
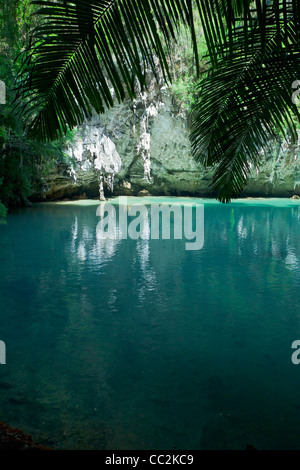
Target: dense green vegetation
23, 161
183, 67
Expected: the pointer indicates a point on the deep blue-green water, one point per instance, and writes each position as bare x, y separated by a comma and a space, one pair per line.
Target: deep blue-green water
141, 344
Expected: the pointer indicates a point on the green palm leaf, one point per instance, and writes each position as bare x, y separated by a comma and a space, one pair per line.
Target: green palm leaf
247, 92
86, 51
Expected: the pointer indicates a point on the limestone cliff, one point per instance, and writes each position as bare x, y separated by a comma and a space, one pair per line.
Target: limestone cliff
144, 144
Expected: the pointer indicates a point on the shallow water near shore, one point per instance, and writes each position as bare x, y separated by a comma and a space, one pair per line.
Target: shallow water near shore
141, 344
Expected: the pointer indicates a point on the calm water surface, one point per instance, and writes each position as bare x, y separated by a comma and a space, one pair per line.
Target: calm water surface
140, 344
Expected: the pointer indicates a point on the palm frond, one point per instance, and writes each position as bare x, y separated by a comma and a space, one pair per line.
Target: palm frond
247, 92
84, 51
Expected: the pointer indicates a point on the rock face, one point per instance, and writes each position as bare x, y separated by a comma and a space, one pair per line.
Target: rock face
144, 145
14, 439
94, 151
144, 193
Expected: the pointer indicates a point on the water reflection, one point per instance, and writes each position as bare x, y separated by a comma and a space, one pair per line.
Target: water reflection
141, 344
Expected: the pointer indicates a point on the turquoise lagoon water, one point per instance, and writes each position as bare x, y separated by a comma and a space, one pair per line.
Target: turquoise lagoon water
140, 344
